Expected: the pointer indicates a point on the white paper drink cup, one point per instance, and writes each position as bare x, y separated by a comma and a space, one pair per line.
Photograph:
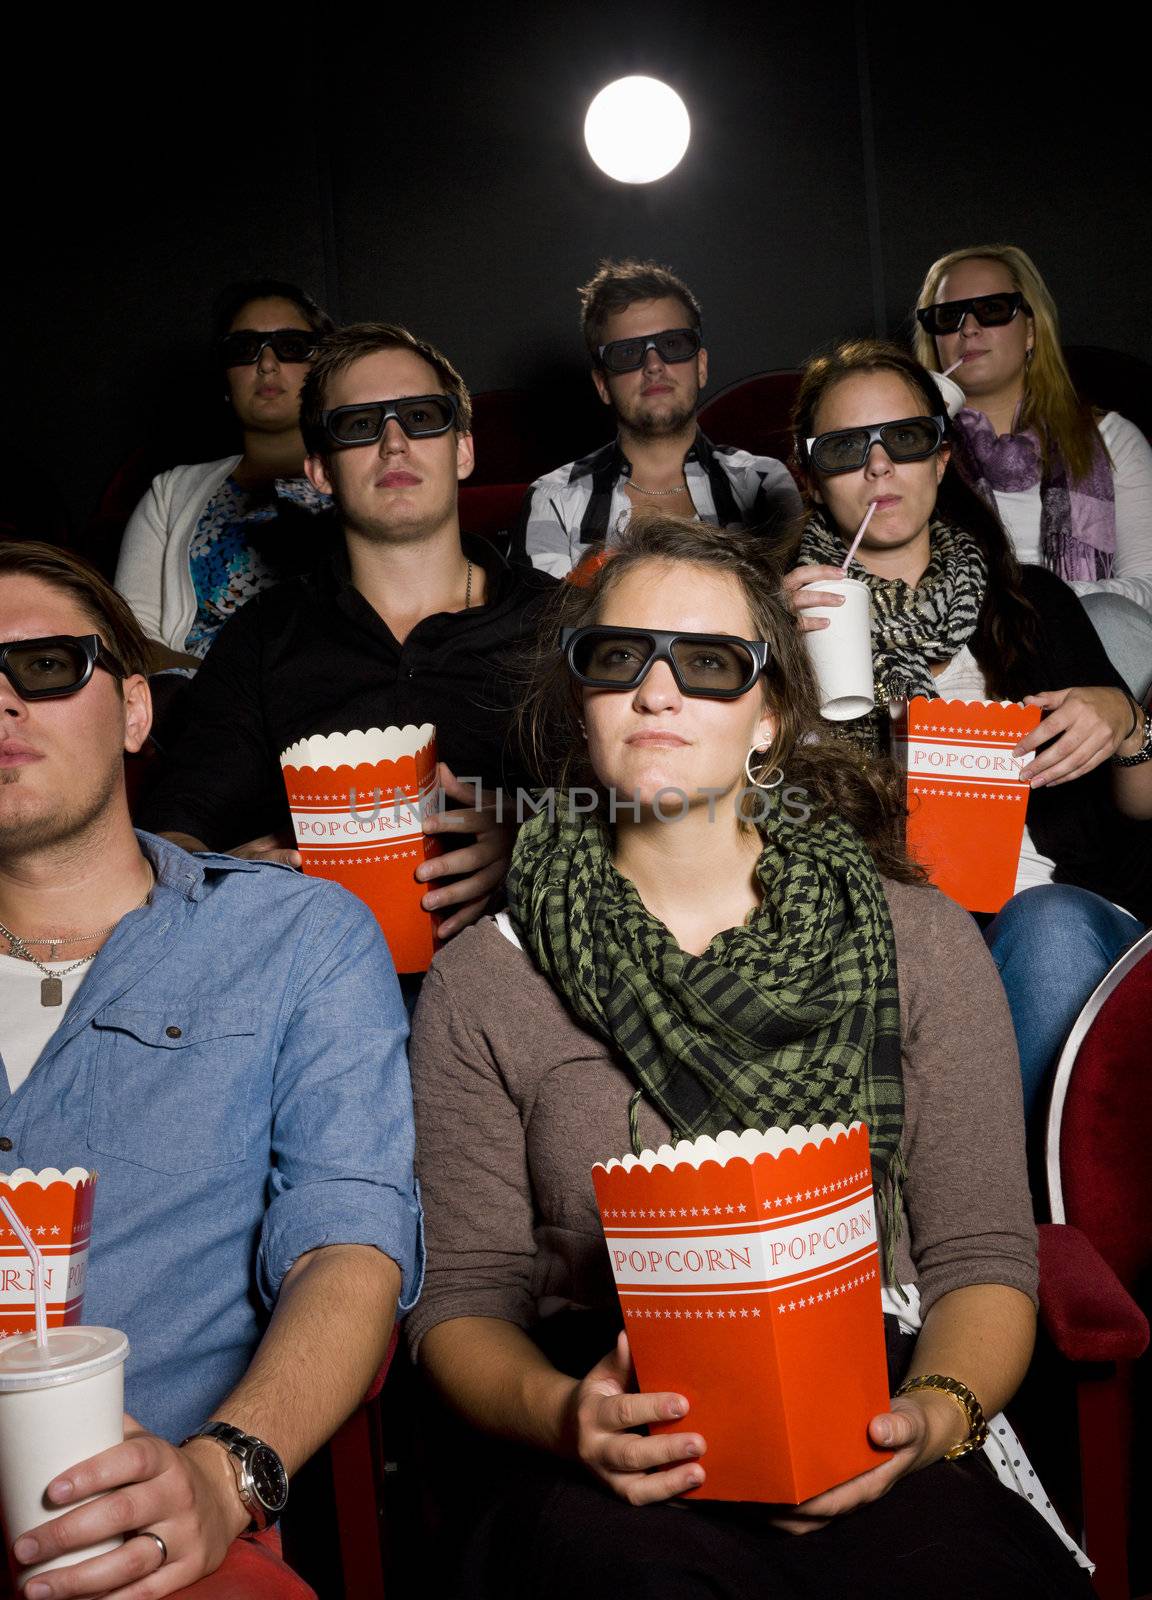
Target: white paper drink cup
841, 653
56, 1408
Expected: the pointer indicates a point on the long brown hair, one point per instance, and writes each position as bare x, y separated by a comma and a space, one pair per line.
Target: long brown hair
1006, 641
834, 778
1065, 424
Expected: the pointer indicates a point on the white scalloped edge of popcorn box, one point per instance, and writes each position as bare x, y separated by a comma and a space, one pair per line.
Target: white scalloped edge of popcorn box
47, 1175
924, 700
729, 1145
360, 746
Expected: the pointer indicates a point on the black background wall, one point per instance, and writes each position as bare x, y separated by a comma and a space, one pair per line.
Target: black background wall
433, 172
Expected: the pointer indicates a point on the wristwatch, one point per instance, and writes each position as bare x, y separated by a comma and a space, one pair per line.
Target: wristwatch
1145, 751
260, 1476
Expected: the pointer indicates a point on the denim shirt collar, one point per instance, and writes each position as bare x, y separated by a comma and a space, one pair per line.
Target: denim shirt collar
181, 873
139, 939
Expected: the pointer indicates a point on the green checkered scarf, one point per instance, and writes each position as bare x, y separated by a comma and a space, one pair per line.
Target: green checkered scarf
792, 1018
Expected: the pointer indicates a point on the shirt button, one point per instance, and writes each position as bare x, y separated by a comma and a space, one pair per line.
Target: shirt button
5, 1144
174, 1032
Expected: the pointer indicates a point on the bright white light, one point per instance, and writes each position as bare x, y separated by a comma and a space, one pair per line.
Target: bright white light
637, 129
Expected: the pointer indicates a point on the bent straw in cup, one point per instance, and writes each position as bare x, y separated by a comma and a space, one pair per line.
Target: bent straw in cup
860, 532
948, 371
841, 653
37, 1261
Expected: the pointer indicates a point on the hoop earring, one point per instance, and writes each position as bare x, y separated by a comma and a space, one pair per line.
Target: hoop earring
759, 783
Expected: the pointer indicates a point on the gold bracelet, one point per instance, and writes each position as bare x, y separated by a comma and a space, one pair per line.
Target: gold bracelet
964, 1398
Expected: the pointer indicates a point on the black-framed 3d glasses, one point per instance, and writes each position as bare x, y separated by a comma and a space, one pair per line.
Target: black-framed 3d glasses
289, 345
990, 311
715, 665
627, 355
421, 416
846, 449
41, 669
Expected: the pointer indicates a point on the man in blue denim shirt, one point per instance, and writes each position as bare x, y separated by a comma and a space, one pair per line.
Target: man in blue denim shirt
225, 1044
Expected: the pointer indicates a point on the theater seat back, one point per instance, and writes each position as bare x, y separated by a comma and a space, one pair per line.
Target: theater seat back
1100, 1116
753, 414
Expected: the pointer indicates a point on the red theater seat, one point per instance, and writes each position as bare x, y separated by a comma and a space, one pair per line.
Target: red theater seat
252, 1570
753, 414
1096, 1254
490, 509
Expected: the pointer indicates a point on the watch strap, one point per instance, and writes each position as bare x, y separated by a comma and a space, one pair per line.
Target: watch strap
1145, 751
240, 1446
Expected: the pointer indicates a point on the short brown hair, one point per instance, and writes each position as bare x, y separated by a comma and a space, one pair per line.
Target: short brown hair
616, 285
109, 612
342, 349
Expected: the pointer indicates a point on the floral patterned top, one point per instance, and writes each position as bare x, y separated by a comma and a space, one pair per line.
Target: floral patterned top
227, 566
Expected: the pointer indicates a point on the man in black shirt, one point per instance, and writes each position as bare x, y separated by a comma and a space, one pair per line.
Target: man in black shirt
405, 622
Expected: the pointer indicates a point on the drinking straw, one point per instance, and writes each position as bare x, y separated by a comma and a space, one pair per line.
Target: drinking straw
860, 532
948, 371
37, 1261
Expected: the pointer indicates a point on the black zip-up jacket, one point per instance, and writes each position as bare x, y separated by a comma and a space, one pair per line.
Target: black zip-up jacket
311, 656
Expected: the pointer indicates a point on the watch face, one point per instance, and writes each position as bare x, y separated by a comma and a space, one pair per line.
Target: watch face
269, 1479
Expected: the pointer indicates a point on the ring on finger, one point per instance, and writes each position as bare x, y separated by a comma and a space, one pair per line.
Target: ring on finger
146, 1533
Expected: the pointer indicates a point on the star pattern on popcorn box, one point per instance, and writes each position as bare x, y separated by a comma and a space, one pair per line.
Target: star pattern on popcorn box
733, 1310
969, 792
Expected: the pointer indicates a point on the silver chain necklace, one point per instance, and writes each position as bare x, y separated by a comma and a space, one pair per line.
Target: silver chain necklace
51, 988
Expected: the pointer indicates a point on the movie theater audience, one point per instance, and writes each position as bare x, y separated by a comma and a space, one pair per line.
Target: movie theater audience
955, 616
404, 623
680, 970
1073, 486
206, 538
643, 334
759, 953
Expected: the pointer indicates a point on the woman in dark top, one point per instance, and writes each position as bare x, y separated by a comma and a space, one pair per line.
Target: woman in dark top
954, 616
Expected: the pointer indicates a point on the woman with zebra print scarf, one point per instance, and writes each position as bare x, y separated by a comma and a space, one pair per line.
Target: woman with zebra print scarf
956, 617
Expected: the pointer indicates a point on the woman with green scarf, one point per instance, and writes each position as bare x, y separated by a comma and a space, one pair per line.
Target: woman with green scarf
955, 616
669, 967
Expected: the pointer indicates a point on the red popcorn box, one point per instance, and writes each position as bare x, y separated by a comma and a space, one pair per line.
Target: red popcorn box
966, 796
359, 801
56, 1208
749, 1278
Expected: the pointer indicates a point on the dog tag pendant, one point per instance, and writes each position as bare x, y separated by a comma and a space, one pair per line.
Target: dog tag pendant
51, 991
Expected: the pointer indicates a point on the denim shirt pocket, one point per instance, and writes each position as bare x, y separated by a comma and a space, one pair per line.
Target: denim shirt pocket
173, 1084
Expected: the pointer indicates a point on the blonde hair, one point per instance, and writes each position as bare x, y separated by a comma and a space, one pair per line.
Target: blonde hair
1065, 424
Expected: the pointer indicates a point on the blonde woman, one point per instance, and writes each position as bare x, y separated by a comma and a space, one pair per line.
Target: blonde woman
1073, 486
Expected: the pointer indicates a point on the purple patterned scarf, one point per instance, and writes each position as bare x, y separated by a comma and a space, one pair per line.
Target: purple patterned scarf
1077, 516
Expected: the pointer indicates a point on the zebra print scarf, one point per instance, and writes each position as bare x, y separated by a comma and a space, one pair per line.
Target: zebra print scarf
912, 627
